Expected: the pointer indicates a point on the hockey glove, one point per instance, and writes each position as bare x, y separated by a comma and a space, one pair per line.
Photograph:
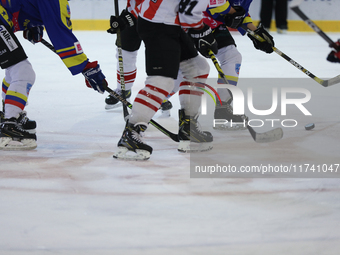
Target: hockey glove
265, 45
94, 78
235, 20
334, 56
204, 40
34, 34
126, 19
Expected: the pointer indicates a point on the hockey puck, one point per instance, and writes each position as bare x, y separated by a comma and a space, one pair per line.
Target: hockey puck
310, 126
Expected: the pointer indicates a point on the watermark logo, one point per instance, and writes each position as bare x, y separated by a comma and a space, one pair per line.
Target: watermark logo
281, 100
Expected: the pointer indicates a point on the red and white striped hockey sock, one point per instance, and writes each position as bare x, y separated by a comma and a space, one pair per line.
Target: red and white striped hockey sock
150, 98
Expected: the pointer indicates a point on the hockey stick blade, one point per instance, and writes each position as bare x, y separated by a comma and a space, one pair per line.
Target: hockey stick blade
332, 81
173, 136
266, 137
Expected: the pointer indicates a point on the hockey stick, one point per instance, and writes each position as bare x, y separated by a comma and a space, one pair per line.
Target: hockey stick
266, 137
120, 60
325, 83
48, 45
310, 23
173, 136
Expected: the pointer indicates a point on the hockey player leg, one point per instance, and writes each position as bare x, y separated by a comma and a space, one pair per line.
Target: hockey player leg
13, 137
20, 79
130, 72
131, 146
23, 121
166, 105
230, 60
191, 137
146, 104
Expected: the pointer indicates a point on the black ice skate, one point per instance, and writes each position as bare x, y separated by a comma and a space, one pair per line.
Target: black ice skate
191, 137
112, 102
13, 137
226, 120
130, 145
25, 123
166, 106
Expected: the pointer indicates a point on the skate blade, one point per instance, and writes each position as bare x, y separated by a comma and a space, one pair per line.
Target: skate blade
188, 147
226, 127
7, 144
125, 154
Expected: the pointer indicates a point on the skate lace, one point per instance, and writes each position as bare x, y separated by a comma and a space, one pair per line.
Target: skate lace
16, 126
23, 118
21, 129
230, 109
136, 136
198, 126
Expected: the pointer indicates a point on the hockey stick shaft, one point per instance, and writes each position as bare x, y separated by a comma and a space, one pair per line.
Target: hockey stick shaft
171, 135
218, 67
269, 136
312, 25
325, 83
120, 60
48, 45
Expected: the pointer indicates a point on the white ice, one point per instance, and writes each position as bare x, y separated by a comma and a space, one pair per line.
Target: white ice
69, 196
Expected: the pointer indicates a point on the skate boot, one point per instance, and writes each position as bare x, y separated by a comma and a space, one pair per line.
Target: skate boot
112, 102
130, 145
166, 106
25, 123
191, 137
226, 120
13, 137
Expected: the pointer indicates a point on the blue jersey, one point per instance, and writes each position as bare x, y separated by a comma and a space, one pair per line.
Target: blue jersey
54, 15
217, 9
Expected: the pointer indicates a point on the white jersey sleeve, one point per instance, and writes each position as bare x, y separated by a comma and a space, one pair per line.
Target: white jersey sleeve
185, 13
133, 6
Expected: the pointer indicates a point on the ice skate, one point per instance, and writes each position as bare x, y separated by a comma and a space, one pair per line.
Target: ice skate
13, 137
225, 119
112, 102
25, 123
165, 108
131, 146
191, 137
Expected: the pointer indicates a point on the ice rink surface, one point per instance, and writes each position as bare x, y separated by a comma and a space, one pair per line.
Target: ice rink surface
69, 196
